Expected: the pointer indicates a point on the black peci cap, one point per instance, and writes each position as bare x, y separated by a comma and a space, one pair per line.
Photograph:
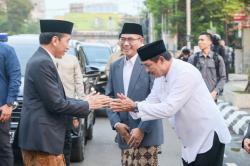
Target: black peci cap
131, 28
151, 50
59, 26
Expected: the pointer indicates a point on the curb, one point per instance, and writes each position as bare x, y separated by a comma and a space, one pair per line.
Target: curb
236, 120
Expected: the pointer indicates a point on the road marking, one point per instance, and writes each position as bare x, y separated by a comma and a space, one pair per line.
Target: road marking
235, 119
233, 116
231, 164
222, 105
227, 110
240, 123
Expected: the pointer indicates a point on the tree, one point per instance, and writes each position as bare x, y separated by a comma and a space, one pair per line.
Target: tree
206, 14
215, 15
13, 20
166, 9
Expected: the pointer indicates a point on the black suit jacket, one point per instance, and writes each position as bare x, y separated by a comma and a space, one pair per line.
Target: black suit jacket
43, 116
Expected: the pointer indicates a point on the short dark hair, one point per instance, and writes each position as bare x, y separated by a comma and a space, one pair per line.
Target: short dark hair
45, 38
166, 55
209, 35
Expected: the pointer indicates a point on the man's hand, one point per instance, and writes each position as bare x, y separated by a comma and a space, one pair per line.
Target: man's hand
246, 144
97, 101
123, 129
214, 94
136, 137
123, 104
5, 113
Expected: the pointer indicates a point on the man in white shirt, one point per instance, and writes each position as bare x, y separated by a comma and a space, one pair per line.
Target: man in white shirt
180, 92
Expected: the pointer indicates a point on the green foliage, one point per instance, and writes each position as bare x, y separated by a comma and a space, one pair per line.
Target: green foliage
206, 15
14, 19
31, 27
166, 8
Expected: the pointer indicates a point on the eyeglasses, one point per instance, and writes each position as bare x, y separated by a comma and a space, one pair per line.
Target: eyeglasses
129, 40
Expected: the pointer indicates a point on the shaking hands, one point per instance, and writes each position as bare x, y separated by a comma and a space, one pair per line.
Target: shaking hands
97, 101
121, 104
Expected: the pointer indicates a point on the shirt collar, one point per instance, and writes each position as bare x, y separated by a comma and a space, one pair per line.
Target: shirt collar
131, 60
166, 77
210, 54
52, 57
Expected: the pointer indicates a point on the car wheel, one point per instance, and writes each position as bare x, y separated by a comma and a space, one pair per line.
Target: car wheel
78, 147
101, 113
90, 132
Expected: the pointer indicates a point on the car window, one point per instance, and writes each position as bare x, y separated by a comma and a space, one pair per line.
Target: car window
24, 52
97, 54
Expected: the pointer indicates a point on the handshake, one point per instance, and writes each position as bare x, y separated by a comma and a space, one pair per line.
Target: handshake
121, 104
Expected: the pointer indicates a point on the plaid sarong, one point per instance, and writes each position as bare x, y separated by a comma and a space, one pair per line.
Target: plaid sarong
142, 156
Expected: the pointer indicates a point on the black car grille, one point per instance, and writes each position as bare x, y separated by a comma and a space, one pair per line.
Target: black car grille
16, 114
15, 118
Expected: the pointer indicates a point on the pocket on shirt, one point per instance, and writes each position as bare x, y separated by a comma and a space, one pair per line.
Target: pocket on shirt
211, 64
212, 69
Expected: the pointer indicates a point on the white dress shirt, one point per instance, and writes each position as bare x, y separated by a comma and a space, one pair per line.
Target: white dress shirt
183, 95
127, 71
52, 57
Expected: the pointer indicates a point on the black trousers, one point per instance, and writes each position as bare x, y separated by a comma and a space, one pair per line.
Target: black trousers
213, 157
6, 154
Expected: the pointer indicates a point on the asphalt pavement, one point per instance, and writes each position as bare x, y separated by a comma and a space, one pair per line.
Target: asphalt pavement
103, 151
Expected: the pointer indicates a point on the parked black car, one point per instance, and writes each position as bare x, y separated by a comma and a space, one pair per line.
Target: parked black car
25, 45
97, 56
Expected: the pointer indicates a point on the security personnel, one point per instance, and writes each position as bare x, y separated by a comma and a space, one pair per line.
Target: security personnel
185, 54
10, 81
210, 64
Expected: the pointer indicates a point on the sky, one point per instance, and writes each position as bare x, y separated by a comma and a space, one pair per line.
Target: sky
59, 7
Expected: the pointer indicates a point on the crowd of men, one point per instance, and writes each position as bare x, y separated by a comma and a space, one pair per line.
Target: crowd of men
145, 85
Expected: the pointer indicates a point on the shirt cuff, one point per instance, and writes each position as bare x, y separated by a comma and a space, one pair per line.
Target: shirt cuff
116, 124
139, 113
134, 115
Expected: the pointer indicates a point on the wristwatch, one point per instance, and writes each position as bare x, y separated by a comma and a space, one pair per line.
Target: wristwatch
12, 104
136, 107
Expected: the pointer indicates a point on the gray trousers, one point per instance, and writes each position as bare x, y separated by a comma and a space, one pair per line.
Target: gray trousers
6, 154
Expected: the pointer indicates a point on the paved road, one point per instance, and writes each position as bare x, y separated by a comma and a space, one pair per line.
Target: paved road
235, 156
102, 151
